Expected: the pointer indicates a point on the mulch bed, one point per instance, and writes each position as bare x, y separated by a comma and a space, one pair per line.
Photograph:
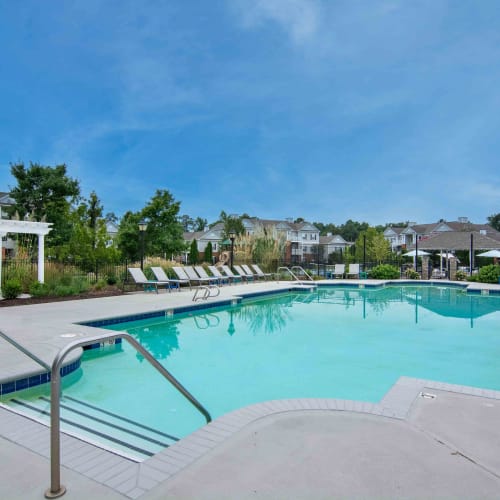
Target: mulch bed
44, 300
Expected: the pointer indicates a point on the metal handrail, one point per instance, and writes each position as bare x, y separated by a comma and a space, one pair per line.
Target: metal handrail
206, 292
19, 347
56, 489
288, 270
303, 270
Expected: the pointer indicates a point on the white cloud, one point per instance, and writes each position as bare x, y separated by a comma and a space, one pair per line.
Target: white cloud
299, 18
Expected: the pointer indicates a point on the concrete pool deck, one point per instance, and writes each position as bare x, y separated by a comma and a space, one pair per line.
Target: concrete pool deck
406, 446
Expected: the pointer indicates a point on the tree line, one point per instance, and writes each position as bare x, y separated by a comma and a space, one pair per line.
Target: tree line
79, 231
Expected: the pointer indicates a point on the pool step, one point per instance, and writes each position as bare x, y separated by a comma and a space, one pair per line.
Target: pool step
102, 427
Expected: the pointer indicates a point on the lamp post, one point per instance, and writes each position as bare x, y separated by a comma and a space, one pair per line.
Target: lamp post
232, 236
364, 253
143, 225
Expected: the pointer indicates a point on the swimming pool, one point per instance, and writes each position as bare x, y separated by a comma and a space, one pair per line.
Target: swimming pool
341, 343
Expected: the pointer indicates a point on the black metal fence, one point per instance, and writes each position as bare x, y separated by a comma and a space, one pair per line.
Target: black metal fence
26, 271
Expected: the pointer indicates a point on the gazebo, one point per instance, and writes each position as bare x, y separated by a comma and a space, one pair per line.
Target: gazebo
26, 227
449, 241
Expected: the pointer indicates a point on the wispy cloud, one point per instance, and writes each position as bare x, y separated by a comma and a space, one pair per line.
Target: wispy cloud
300, 19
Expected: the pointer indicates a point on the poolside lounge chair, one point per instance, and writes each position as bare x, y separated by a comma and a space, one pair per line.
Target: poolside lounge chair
246, 276
148, 285
160, 275
182, 275
215, 272
203, 274
353, 270
231, 274
339, 271
247, 270
261, 273
195, 278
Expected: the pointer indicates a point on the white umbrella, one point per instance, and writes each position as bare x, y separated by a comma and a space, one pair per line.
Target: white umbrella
449, 255
490, 253
412, 253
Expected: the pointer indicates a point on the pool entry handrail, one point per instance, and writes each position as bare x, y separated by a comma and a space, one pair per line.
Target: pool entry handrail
56, 488
25, 351
302, 270
288, 270
207, 292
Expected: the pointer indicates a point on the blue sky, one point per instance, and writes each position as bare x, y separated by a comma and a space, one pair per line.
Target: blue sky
376, 111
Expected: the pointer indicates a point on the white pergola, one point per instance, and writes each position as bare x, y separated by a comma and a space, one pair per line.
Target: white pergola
27, 227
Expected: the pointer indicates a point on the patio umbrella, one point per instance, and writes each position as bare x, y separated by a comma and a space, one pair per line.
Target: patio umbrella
413, 253
490, 253
449, 255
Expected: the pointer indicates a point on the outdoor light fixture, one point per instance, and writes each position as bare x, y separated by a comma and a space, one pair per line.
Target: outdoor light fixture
232, 236
143, 225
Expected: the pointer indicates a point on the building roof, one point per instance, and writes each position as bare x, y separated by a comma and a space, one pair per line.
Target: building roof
6, 199
458, 240
395, 229
333, 238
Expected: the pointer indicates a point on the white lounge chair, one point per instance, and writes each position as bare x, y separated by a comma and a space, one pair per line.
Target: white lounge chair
251, 272
148, 285
215, 272
203, 275
195, 278
246, 276
181, 274
160, 275
261, 273
353, 270
231, 274
339, 271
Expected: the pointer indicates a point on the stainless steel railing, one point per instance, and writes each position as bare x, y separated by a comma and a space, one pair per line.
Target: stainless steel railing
300, 268
56, 488
25, 351
288, 270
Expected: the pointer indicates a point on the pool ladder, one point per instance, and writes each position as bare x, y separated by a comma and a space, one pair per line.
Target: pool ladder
207, 292
292, 273
56, 489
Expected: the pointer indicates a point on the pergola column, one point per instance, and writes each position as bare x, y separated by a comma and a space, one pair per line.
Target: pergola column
27, 227
41, 258
1, 258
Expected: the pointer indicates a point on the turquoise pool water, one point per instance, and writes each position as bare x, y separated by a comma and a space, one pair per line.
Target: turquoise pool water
332, 343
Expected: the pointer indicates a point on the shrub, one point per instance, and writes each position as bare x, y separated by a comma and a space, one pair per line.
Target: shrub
411, 274
489, 274
12, 289
63, 290
384, 272
100, 285
111, 280
38, 289
461, 275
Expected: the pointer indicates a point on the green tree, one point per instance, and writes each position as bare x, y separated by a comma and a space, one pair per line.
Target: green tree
45, 193
194, 255
89, 242
231, 224
324, 229
200, 224
494, 221
209, 257
186, 222
351, 230
128, 238
164, 234
377, 247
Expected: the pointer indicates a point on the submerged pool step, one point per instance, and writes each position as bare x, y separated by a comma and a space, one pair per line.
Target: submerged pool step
101, 426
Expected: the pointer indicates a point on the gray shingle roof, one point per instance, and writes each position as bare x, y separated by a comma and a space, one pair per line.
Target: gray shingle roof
457, 240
